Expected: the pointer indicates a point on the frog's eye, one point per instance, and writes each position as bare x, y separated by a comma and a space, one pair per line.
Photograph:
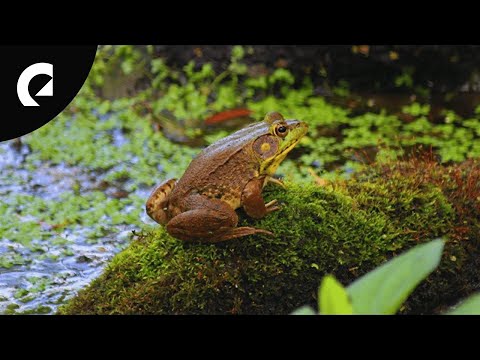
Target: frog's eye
281, 130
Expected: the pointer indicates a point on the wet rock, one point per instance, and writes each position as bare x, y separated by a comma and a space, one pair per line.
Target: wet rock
84, 259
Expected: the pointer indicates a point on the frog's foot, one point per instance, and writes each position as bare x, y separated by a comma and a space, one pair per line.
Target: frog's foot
239, 232
276, 181
156, 206
218, 235
272, 206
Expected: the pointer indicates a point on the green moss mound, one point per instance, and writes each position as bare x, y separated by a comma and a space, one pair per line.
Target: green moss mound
343, 228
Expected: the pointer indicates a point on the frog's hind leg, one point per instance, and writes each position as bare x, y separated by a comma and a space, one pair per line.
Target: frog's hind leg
156, 206
211, 221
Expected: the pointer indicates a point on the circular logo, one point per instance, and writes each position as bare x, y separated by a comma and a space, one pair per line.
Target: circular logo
38, 83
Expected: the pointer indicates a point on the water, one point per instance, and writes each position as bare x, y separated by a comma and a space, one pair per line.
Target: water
47, 269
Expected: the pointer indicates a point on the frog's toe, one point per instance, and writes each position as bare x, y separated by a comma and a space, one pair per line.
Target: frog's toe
239, 232
271, 203
272, 206
276, 182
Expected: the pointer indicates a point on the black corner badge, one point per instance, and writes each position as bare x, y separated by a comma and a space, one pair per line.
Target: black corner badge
38, 83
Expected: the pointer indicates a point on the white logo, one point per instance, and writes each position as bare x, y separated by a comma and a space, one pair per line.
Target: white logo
27, 75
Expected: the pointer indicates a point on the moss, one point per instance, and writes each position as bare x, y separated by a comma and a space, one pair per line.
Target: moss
344, 228
460, 184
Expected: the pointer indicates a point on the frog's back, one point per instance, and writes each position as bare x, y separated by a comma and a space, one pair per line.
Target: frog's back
223, 168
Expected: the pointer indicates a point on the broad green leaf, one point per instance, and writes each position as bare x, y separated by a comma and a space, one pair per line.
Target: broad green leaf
333, 298
304, 310
470, 306
383, 290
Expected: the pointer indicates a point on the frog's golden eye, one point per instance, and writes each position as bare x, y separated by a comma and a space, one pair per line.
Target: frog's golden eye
281, 130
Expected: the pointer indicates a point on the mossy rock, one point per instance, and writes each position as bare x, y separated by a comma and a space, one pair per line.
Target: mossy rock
346, 229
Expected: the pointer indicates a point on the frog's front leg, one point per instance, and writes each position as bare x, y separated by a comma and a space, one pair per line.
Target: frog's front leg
157, 203
252, 199
208, 220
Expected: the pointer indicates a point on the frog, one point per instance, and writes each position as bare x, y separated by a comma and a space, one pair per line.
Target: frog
227, 175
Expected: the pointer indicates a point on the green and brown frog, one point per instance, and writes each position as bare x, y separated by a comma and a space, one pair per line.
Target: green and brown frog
225, 176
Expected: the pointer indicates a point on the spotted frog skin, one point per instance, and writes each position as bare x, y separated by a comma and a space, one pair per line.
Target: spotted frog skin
225, 176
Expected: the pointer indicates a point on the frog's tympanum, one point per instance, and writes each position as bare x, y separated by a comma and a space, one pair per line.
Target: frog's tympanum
228, 174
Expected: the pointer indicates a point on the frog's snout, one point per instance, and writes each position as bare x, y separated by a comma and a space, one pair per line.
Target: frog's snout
299, 127
303, 125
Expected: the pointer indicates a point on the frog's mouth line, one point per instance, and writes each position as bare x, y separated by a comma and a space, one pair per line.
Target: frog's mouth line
270, 166
286, 150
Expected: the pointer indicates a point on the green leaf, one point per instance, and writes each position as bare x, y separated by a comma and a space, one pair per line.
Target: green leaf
383, 290
238, 52
127, 66
470, 306
304, 310
333, 298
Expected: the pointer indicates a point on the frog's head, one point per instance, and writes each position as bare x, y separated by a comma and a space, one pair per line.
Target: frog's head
272, 147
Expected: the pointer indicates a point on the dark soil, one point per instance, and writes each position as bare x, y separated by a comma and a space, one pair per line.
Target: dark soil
440, 68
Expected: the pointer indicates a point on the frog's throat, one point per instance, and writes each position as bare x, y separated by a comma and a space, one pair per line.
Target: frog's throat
269, 166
